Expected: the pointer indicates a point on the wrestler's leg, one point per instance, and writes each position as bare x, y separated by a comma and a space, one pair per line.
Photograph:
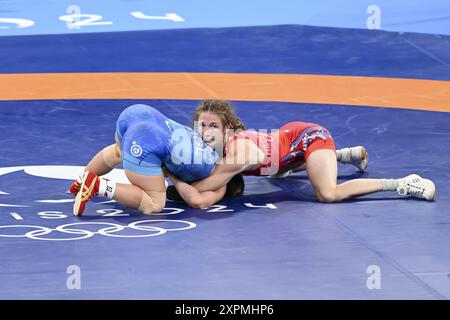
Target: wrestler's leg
147, 193
105, 160
322, 171
102, 163
321, 166
356, 156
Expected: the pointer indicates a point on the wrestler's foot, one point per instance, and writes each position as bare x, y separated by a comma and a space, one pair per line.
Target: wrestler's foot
89, 188
356, 156
416, 186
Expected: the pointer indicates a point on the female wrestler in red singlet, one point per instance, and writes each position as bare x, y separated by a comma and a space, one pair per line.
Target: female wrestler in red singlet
296, 146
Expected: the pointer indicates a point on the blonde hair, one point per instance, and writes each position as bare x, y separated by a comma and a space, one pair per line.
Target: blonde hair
225, 112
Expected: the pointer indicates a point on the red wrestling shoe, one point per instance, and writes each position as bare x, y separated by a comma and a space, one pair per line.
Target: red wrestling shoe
76, 185
74, 188
88, 189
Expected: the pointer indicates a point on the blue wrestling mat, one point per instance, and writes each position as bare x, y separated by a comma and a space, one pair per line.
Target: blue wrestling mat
274, 242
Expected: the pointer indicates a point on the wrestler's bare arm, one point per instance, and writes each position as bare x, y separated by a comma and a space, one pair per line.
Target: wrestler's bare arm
243, 155
193, 197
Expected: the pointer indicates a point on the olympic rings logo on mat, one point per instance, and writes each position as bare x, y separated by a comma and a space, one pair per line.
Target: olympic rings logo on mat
140, 230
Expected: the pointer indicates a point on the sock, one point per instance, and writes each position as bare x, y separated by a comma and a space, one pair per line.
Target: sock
80, 177
339, 155
107, 188
389, 184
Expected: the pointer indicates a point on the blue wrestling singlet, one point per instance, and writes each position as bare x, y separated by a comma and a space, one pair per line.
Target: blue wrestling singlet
149, 140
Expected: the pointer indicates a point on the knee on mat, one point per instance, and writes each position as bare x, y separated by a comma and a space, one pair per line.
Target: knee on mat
149, 210
327, 196
150, 205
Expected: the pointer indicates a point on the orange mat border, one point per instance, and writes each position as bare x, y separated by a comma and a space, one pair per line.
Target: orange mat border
417, 94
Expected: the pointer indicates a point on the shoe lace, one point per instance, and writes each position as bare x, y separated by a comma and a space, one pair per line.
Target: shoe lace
91, 195
414, 189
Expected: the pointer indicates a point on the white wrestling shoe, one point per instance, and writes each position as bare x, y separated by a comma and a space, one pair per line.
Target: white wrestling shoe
281, 175
356, 156
416, 186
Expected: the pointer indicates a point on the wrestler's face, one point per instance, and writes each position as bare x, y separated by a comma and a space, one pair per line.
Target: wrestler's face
211, 128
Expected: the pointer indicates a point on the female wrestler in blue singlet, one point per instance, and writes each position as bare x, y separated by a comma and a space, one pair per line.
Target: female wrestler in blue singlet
146, 141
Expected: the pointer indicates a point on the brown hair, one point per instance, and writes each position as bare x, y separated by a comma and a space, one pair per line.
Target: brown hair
225, 112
